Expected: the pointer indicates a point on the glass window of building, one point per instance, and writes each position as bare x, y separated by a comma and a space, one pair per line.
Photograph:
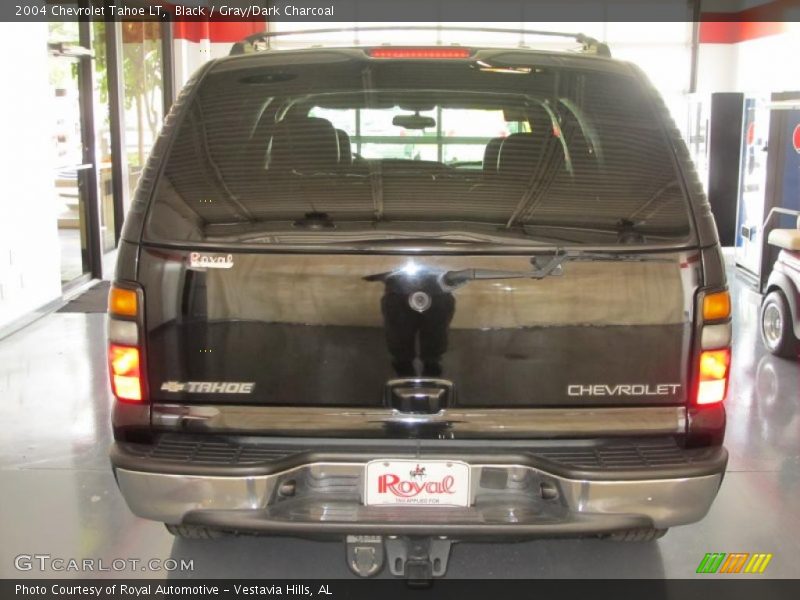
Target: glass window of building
142, 65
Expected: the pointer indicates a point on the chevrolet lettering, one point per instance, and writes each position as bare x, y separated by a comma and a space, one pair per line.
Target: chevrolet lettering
623, 389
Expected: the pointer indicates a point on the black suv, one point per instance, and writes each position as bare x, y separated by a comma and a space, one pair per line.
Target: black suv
410, 295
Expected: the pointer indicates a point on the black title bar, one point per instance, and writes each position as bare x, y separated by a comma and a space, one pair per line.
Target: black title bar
387, 11
743, 588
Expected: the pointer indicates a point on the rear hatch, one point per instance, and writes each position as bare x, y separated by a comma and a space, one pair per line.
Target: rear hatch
508, 229
321, 329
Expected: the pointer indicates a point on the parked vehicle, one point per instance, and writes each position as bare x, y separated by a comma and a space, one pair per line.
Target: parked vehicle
311, 336
780, 308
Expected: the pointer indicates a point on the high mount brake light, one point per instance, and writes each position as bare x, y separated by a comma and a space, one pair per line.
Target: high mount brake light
125, 372
434, 52
713, 369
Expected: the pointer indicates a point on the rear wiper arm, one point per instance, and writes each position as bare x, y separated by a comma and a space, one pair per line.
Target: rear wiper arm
542, 266
542, 269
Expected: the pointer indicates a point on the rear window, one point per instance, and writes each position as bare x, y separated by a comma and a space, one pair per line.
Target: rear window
356, 150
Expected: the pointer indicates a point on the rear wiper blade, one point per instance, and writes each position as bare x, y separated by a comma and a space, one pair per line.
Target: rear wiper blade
450, 280
544, 266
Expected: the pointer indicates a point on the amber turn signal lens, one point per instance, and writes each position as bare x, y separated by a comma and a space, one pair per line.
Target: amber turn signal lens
123, 302
716, 306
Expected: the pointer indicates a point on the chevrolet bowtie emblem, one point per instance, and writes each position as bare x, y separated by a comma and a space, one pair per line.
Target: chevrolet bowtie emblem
173, 386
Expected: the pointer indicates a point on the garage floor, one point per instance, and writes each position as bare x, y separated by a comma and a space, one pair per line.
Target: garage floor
59, 497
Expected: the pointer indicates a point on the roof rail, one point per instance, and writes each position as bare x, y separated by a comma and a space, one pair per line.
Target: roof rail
262, 41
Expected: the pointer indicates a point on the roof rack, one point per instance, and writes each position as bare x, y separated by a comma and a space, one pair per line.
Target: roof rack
260, 42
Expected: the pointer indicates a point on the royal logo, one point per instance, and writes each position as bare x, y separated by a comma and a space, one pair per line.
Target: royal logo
200, 260
419, 472
404, 488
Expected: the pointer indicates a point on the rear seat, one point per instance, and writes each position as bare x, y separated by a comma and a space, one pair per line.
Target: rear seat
490, 155
517, 159
519, 155
307, 158
345, 148
303, 146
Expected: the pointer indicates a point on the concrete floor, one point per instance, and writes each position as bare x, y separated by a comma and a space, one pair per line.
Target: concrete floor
59, 497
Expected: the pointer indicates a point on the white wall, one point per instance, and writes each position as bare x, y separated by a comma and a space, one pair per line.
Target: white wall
190, 56
716, 68
29, 250
769, 64
762, 65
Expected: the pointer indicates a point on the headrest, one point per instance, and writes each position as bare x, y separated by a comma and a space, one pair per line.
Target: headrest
491, 154
305, 145
345, 149
519, 154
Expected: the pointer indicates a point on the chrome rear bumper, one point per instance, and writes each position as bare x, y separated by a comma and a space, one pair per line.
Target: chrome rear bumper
514, 500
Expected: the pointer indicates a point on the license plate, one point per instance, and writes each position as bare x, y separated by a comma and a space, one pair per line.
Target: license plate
416, 483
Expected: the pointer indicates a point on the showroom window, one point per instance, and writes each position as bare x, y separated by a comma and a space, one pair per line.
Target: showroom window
458, 136
142, 69
102, 131
110, 83
70, 65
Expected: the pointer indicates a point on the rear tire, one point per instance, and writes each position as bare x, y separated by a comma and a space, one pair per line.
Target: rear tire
636, 535
777, 329
194, 532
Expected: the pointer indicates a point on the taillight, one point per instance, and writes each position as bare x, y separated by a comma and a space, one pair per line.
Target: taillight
714, 353
124, 344
713, 369
435, 52
125, 372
